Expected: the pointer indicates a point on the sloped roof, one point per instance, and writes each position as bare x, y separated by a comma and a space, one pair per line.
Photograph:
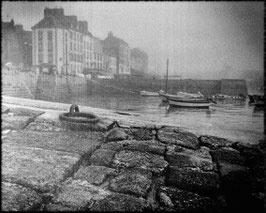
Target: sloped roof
49, 22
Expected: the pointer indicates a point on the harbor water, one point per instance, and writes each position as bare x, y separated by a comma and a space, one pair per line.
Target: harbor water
232, 119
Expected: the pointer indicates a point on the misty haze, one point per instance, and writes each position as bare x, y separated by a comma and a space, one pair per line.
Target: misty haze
132, 106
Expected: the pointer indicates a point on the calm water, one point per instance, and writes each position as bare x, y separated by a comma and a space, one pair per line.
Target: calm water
234, 120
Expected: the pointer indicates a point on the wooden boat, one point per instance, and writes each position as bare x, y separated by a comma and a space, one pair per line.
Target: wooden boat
256, 100
146, 93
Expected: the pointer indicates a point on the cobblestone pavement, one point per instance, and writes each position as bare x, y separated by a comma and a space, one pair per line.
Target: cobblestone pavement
46, 165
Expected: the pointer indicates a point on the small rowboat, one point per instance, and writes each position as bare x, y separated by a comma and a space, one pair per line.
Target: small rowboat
146, 93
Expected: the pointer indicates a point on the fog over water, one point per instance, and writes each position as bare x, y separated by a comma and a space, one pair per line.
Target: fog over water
205, 40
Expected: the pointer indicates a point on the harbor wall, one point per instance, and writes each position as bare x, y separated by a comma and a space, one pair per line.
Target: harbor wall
52, 87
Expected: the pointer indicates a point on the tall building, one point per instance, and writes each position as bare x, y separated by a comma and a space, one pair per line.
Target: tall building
16, 45
61, 43
139, 62
116, 48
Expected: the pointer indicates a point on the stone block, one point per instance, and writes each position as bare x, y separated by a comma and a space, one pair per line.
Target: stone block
116, 134
132, 182
78, 194
193, 180
227, 155
134, 145
26, 112
39, 168
214, 142
140, 160
18, 198
93, 174
120, 202
102, 157
174, 199
16, 122
142, 134
182, 157
178, 137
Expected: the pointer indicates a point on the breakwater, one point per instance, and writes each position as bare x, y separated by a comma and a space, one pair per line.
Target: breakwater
140, 167
51, 87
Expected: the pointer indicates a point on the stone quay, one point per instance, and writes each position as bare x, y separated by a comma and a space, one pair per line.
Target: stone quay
121, 164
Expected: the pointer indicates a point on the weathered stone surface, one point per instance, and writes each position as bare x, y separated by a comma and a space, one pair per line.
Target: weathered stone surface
18, 198
102, 157
182, 157
142, 134
173, 199
116, 134
254, 156
178, 137
25, 112
58, 208
141, 160
39, 168
93, 174
4, 109
214, 142
16, 122
134, 145
227, 155
74, 142
193, 179
120, 202
96, 127
132, 182
78, 194
44, 125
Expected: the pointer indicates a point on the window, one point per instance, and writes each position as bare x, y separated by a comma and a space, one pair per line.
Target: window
40, 47
81, 40
101, 66
70, 57
88, 45
71, 46
74, 46
78, 37
40, 36
40, 58
50, 58
50, 47
74, 36
71, 35
95, 56
81, 49
50, 35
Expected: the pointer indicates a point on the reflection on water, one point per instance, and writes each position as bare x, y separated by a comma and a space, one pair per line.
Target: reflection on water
233, 119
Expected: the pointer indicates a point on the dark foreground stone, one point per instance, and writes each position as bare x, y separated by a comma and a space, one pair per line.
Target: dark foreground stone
120, 202
214, 142
177, 137
102, 157
18, 198
140, 160
116, 134
174, 199
193, 180
132, 182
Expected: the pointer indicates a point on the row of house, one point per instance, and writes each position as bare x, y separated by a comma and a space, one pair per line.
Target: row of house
63, 44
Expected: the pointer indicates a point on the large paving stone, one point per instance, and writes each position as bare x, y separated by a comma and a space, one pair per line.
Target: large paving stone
102, 157
193, 180
182, 157
141, 160
16, 122
116, 134
120, 202
227, 155
134, 145
214, 142
74, 142
132, 182
4, 109
142, 134
18, 198
93, 174
78, 194
173, 199
178, 137
46, 125
39, 168
25, 112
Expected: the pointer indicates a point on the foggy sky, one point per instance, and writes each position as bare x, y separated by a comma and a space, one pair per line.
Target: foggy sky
201, 39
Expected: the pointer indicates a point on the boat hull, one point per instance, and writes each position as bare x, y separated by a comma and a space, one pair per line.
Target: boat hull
146, 93
187, 104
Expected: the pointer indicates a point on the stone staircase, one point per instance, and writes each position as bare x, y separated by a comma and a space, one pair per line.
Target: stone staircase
15, 90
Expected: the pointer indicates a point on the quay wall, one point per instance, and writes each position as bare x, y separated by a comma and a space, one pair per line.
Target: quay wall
52, 87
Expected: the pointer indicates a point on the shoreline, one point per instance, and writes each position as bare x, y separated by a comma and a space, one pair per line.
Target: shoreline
129, 165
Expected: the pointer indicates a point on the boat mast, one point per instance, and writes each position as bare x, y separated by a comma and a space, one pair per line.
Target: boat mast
166, 77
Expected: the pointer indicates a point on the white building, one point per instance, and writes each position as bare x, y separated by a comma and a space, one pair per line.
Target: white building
61, 43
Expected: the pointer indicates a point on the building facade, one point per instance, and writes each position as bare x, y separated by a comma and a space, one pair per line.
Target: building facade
61, 44
116, 48
139, 62
16, 45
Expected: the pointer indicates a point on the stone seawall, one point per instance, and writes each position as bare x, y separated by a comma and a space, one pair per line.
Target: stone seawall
50, 87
